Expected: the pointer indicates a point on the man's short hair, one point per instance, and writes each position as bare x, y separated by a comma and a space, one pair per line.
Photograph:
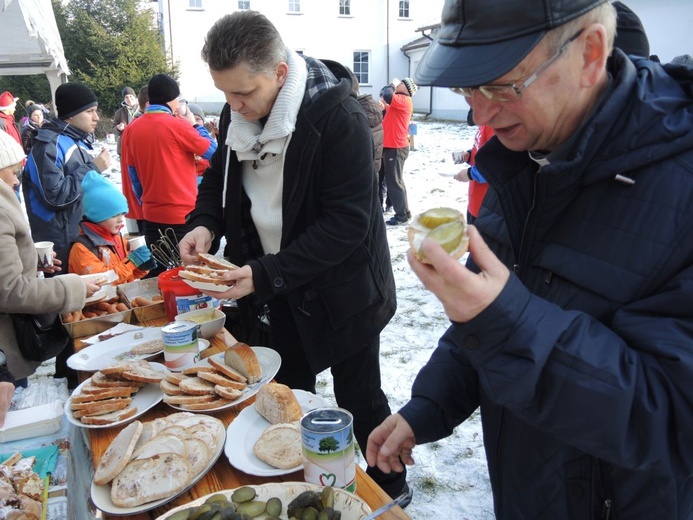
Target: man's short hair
244, 37
604, 14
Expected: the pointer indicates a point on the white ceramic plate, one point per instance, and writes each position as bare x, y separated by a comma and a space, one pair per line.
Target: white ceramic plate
269, 360
105, 353
148, 396
447, 174
351, 506
205, 286
245, 430
101, 495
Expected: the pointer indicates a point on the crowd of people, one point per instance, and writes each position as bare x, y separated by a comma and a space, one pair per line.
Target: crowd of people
572, 319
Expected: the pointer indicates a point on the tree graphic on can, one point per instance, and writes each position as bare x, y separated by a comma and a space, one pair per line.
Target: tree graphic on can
328, 448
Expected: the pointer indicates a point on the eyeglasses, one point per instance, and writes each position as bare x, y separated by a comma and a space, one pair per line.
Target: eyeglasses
511, 91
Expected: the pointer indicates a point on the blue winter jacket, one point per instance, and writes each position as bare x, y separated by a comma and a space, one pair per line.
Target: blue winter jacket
52, 183
583, 366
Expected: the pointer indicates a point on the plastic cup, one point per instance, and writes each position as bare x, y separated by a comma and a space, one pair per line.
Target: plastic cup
457, 157
45, 254
137, 242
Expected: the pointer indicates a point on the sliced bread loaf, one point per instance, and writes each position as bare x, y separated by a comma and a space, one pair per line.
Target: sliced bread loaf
242, 358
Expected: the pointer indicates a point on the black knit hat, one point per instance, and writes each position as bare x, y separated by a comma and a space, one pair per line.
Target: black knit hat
129, 91
630, 33
162, 89
73, 98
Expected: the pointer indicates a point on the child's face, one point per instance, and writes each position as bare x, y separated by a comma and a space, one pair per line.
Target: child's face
113, 224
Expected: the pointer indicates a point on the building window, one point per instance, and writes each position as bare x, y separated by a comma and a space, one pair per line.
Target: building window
360, 68
244, 4
195, 4
294, 6
404, 8
345, 7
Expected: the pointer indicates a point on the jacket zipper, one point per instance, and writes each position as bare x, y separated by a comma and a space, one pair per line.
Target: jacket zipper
519, 265
606, 509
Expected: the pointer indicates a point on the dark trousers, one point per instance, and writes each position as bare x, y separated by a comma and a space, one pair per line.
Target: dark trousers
356, 383
152, 236
394, 177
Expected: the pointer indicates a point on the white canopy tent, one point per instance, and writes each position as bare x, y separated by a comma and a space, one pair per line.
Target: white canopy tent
31, 42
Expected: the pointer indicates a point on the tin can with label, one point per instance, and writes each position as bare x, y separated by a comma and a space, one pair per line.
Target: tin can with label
328, 448
181, 348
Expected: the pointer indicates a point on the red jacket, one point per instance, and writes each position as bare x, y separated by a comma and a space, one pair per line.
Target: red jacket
160, 150
8, 125
477, 190
134, 206
396, 121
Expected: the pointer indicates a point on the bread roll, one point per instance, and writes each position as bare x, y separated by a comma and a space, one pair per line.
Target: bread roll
117, 454
280, 446
278, 404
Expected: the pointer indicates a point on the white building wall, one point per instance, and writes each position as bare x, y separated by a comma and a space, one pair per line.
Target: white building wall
319, 31
373, 26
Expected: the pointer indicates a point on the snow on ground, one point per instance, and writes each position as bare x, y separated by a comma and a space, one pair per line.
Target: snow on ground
450, 478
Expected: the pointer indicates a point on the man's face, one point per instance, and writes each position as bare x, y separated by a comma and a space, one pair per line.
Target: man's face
86, 121
548, 111
130, 100
252, 95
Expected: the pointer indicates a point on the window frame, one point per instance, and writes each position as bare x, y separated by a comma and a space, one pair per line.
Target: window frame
344, 5
357, 66
403, 7
240, 8
195, 5
294, 7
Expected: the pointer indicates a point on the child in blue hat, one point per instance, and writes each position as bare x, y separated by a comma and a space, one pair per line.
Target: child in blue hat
100, 247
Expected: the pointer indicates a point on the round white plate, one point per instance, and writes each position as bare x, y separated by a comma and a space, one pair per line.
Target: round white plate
106, 353
351, 506
148, 396
245, 430
269, 360
101, 495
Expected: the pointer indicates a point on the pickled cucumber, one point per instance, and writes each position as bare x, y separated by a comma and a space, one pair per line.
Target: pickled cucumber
274, 506
243, 494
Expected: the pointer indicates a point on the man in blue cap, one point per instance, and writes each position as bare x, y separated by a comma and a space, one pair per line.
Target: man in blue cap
572, 322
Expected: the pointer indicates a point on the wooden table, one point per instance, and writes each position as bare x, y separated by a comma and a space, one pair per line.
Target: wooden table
222, 475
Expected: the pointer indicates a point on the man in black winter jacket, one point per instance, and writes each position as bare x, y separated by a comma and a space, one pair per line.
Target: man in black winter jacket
572, 323
293, 192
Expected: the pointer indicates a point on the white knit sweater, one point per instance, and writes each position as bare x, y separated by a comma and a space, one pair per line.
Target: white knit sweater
262, 152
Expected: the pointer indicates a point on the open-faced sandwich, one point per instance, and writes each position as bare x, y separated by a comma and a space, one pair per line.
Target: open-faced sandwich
211, 271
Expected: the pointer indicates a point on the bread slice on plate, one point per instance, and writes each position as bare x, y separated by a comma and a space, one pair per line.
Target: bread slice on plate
107, 393
117, 455
146, 480
102, 380
278, 404
159, 445
189, 399
242, 358
219, 379
196, 386
143, 374
205, 406
280, 446
227, 370
169, 388
102, 407
109, 418
227, 392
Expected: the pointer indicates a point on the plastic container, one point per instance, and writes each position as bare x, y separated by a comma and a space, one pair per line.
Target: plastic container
179, 297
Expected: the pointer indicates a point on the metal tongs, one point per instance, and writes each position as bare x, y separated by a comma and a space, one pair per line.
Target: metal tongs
166, 250
386, 507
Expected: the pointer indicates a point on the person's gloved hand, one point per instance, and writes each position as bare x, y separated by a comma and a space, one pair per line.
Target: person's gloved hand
142, 258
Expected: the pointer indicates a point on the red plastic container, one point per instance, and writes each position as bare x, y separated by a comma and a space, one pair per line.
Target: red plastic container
179, 297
